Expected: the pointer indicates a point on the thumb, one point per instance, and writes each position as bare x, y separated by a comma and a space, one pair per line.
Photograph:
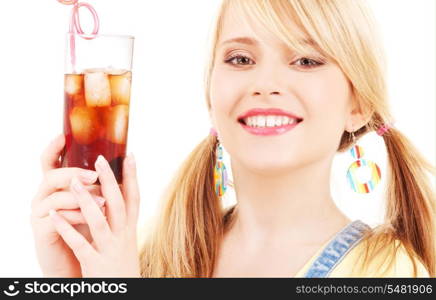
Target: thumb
130, 190
50, 156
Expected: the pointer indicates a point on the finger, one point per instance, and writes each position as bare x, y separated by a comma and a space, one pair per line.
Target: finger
97, 222
80, 246
58, 179
93, 189
61, 200
130, 190
50, 156
115, 208
74, 217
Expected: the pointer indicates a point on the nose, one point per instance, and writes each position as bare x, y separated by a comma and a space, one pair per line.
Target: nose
257, 93
268, 81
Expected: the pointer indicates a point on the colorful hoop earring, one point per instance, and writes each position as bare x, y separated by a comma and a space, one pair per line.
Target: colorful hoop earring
355, 183
219, 171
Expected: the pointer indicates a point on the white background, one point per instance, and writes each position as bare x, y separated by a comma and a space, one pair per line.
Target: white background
168, 113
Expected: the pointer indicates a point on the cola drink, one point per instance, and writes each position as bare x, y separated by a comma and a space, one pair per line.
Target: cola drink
96, 118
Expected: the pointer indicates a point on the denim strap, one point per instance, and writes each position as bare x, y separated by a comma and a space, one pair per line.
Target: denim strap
333, 253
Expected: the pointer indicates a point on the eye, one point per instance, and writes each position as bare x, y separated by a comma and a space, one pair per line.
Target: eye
307, 63
239, 60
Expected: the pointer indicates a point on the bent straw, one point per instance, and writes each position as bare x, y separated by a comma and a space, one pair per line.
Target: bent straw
75, 27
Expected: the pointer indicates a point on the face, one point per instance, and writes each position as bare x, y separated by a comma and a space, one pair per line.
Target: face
275, 110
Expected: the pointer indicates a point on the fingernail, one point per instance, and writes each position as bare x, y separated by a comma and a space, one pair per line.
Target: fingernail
76, 185
100, 163
99, 200
131, 159
88, 176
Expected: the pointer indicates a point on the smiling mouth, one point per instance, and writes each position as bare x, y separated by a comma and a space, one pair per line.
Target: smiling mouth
269, 121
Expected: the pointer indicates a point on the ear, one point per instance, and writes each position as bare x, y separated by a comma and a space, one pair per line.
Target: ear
358, 116
211, 119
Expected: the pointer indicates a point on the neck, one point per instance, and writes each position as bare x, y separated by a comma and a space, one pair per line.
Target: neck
295, 204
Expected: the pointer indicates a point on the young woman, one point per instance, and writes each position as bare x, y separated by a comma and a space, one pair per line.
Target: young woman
290, 83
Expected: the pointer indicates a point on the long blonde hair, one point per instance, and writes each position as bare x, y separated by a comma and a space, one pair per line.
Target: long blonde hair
186, 237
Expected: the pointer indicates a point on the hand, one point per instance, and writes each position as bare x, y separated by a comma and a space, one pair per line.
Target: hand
54, 256
114, 252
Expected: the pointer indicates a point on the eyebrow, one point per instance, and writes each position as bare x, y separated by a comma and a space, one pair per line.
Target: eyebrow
253, 42
241, 40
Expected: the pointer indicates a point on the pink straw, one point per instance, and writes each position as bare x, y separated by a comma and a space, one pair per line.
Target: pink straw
76, 28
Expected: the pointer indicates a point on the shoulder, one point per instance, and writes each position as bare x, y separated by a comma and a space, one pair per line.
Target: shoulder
392, 260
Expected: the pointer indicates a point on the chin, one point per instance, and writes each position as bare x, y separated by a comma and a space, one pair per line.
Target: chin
269, 165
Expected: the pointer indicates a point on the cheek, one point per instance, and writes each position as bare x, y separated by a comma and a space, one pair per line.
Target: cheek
225, 91
222, 89
326, 98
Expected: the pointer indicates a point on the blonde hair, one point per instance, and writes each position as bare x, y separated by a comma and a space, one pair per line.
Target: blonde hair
185, 241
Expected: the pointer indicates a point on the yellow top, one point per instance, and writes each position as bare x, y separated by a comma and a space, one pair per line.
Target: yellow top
349, 267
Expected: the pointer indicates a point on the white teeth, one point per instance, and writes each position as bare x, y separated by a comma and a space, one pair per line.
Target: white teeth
260, 121
268, 121
249, 121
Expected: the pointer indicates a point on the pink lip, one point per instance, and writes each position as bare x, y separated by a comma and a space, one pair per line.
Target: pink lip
266, 131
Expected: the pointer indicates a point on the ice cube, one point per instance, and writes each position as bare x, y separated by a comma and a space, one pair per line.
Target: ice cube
84, 124
116, 123
73, 84
95, 70
97, 89
113, 71
120, 88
